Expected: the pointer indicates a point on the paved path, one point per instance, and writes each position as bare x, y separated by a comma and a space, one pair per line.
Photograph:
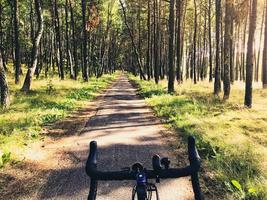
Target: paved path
126, 132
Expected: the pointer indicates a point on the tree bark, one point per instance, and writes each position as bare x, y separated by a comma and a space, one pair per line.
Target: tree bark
195, 43
68, 52
217, 82
16, 41
4, 93
148, 40
249, 62
28, 79
156, 31
210, 43
178, 39
75, 56
59, 40
260, 47
264, 59
227, 50
171, 52
85, 42
232, 46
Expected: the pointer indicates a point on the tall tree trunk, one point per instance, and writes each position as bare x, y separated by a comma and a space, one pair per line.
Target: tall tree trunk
210, 43
222, 46
16, 41
28, 79
227, 50
232, 46
155, 22
75, 56
264, 57
249, 62
195, 43
237, 53
178, 39
85, 42
68, 52
58, 40
171, 53
4, 98
260, 47
148, 40
217, 82
2, 36
243, 57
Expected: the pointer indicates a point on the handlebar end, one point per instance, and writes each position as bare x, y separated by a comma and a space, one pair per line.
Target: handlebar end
194, 157
93, 145
91, 163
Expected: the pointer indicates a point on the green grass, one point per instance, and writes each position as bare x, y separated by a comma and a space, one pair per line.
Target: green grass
49, 101
232, 140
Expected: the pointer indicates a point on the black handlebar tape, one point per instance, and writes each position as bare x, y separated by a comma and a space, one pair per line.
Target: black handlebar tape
194, 158
156, 163
91, 164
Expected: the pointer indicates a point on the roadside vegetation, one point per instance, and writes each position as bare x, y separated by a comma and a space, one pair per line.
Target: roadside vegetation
232, 140
49, 100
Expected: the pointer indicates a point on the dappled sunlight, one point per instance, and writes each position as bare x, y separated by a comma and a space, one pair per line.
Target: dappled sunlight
126, 132
231, 138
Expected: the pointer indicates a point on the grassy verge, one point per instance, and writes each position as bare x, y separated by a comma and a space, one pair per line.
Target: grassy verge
50, 100
232, 140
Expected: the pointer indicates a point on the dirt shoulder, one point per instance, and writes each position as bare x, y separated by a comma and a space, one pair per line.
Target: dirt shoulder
23, 179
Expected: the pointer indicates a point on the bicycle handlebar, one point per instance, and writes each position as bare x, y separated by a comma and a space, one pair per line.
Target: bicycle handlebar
157, 172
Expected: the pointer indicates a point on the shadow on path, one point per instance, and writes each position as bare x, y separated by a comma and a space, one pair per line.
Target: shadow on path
127, 132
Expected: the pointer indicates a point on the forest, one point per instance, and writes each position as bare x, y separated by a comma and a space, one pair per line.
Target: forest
200, 65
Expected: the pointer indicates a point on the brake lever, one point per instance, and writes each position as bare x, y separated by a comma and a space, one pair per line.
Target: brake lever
157, 166
165, 162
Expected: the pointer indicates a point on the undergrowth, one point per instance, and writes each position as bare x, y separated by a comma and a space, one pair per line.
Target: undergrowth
49, 101
231, 139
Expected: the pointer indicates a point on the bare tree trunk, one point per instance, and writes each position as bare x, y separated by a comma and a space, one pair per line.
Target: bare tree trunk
171, 53
2, 37
148, 40
179, 14
242, 71
249, 63
85, 42
156, 31
75, 56
210, 43
227, 50
217, 83
195, 43
232, 46
58, 40
260, 47
16, 41
264, 58
28, 79
4, 93
68, 53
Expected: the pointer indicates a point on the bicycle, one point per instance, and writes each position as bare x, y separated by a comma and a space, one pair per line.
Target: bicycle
143, 190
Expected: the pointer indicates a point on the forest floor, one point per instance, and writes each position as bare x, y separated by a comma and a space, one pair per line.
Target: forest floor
231, 138
126, 131
54, 109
